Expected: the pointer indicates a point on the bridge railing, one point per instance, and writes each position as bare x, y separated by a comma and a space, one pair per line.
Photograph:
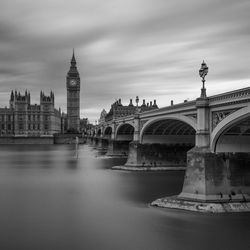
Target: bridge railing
183, 105
238, 94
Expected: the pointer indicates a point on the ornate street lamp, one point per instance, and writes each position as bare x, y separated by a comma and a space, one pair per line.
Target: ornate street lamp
137, 108
203, 72
137, 101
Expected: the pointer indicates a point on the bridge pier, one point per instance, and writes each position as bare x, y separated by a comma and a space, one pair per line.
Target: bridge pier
156, 155
213, 182
101, 143
216, 177
95, 141
117, 148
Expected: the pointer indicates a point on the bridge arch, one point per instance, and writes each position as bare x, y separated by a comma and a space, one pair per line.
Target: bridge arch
169, 125
232, 134
107, 132
99, 132
124, 132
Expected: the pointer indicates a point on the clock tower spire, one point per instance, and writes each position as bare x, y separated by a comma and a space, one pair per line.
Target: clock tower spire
73, 97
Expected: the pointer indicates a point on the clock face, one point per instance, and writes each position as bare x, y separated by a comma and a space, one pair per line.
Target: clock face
72, 82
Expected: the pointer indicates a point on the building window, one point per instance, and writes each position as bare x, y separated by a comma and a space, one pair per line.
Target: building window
9, 127
3, 126
29, 117
46, 126
20, 126
34, 126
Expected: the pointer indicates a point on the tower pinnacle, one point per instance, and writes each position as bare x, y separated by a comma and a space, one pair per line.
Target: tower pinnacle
73, 60
73, 72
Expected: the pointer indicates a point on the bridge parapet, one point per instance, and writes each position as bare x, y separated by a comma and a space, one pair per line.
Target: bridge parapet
175, 108
239, 95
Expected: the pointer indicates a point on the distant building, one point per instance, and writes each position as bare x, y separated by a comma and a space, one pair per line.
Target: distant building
118, 110
102, 116
24, 118
84, 122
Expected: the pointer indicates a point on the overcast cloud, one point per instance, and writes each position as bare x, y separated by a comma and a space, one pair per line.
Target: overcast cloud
124, 48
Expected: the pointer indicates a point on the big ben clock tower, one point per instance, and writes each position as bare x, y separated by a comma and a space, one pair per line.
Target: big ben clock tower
73, 97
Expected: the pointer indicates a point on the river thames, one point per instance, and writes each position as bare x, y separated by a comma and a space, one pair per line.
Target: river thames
49, 200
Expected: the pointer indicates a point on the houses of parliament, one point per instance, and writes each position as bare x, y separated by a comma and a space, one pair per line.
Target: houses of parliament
22, 118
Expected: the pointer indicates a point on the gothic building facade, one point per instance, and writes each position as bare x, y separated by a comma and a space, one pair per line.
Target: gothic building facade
24, 118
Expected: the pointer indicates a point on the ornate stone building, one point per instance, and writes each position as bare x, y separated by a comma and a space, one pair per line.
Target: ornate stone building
118, 110
24, 118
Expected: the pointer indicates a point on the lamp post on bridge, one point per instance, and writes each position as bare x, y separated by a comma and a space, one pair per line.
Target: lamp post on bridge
137, 101
203, 72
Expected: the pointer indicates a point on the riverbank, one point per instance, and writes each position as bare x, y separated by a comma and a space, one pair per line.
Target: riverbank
204, 207
133, 168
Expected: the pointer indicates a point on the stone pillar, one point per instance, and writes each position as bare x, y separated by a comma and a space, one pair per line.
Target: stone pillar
99, 143
203, 123
113, 126
221, 177
134, 154
117, 148
156, 155
95, 141
134, 151
136, 128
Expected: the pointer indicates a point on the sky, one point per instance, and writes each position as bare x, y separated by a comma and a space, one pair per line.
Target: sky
124, 48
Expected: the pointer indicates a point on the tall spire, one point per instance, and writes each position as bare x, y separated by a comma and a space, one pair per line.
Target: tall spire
73, 72
73, 60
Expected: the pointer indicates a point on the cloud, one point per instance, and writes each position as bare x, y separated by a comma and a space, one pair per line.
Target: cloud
150, 48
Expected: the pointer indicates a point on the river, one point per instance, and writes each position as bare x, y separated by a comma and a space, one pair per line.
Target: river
50, 200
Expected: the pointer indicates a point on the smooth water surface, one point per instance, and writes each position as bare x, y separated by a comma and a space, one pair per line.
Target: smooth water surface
49, 200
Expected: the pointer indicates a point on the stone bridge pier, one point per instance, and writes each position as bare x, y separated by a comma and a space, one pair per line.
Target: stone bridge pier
120, 136
218, 167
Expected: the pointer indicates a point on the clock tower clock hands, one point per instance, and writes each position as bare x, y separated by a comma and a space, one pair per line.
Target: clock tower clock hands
73, 82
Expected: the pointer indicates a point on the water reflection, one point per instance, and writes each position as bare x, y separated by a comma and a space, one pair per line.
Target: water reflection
50, 200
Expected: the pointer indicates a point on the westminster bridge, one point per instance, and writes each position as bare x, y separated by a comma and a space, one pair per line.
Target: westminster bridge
209, 135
